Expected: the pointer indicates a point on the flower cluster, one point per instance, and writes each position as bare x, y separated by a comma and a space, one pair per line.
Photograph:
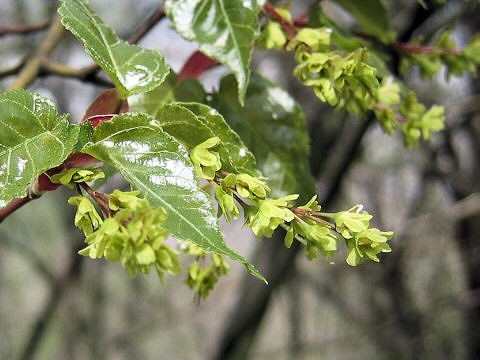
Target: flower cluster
443, 52
305, 223
272, 36
362, 241
77, 175
346, 81
264, 216
350, 83
394, 109
314, 233
206, 162
202, 279
133, 235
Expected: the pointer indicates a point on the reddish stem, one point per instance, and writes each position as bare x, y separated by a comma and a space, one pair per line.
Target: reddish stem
424, 49
196, 65
383, 108
290, 29
98, 119
310, 215
14, 205
100, 198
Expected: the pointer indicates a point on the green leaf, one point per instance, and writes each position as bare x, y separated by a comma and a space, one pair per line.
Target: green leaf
236, 157
132, 68
372, 15
33, 138
159, 166
190, 90
150, 102
273, 127
193, 123
224, 29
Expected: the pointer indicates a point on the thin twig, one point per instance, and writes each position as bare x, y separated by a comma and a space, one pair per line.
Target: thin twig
310, 215
289, 28
50, 68
57, 292
100, 198
151, 22
424, 49
12, 70
14, 205
23, 29
32, 66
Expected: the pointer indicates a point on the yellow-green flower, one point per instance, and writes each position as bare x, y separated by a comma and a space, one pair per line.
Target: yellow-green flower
206, 162
264, 217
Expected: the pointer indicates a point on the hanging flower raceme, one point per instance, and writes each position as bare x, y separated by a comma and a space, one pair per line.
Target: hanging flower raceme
305, 223
134, 235
200, 277
362, 241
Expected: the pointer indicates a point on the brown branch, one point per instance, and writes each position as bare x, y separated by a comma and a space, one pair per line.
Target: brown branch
424, 49
12, 70
32, 67
289, 28
410, 48
58, 291
14, 205
23, 29
311, 215
100, 198
151, 22
86, 74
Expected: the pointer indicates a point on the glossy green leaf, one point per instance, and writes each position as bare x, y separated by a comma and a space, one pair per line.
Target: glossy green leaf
372, 15
182, 124
132, 68
154, 163
273, 127
192, 123
190, 90
224, 29
150, 102
33, 138
236, 157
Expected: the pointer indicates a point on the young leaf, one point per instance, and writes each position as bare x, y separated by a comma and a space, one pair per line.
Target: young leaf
192, 123
224, 29
182, 124
132, 68
159, 166
33, 138
273, 127
234, 154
